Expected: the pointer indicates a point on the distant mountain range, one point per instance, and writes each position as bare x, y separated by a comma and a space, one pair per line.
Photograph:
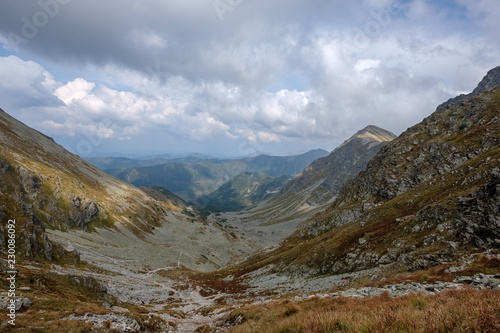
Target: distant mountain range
109, 162
191, 180
243, 191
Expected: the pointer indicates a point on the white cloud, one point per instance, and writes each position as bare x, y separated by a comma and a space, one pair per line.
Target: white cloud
364, 64
268, 137
268, 74
485, 13
24, 84
74, 90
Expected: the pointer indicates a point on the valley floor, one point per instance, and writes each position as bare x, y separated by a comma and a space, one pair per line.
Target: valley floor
438, 299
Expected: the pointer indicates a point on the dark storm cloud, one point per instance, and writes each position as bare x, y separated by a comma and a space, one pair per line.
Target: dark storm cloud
275, 71
184, 37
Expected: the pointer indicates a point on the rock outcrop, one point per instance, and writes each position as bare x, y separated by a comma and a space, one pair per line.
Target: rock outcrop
82, 213
478, 281
23, 206
478, 216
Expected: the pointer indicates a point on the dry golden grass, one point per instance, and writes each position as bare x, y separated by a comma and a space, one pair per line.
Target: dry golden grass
464, 310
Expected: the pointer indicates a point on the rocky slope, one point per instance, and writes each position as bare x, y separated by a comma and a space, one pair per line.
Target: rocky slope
427, 198
193, 180
324, 178
310, 191
69, 201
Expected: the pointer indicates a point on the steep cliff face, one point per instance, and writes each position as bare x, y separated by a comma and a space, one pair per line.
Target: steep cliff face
21, 207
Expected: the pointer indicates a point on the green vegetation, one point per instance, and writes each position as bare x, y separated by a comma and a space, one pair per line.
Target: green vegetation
192, 180
243, 191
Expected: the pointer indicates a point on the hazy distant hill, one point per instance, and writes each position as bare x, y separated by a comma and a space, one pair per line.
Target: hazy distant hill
242, 191
192, 180
108, 162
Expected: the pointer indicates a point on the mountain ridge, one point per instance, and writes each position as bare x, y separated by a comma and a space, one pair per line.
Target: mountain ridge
193, 180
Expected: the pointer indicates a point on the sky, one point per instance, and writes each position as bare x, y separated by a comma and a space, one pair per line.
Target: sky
236, 77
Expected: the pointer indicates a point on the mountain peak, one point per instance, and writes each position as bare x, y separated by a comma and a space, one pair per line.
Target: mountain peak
490, 81
373, 134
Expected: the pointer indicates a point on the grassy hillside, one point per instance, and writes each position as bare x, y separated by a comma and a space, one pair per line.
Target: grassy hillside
243, 191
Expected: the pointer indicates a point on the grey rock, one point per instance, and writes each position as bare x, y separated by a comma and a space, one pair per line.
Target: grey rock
30, 182
82, 213
22, 302
385, 259
464, 280
493, 283
477, 219
452, 246
89, 283
433, 214
428, 240
118, 322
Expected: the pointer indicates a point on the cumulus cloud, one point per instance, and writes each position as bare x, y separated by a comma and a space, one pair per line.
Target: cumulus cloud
25, 84
74, 90
270, 73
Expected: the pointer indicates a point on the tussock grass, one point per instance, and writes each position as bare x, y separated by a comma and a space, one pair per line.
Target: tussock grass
465, 310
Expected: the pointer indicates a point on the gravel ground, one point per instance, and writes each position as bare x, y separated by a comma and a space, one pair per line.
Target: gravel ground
181, 241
